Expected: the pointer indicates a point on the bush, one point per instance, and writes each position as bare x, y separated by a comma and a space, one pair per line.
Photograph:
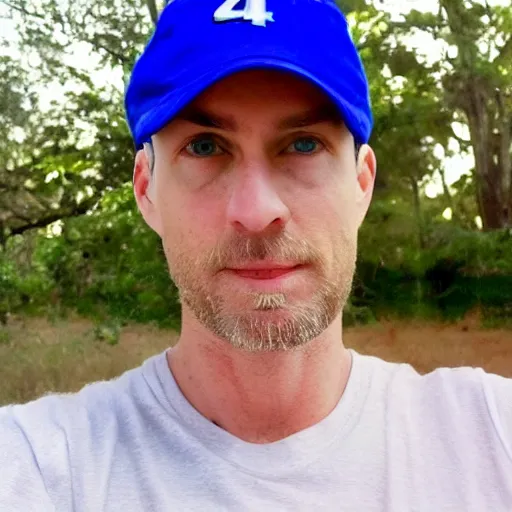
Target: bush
106, 264
458, 271
109, 265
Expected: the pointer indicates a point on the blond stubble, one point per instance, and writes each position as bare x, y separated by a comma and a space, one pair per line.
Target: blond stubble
254, 330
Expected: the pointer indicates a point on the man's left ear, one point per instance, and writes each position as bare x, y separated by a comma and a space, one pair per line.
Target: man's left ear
366, 172
143, 182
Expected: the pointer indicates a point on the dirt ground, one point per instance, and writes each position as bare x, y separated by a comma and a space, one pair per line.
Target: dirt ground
38, 356
427, 347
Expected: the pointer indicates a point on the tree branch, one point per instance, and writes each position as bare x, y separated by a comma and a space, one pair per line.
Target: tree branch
153, 10
18, 214
22, 10
122, 59
50, 219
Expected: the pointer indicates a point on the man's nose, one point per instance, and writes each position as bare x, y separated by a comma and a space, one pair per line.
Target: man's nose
255, 204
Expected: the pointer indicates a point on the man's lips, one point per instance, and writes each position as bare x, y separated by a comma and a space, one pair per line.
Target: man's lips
263, 272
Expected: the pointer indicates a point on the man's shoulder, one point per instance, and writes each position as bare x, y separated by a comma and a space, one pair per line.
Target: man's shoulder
47, 443
455, 389
52, 404
472, 404
447, 397
464, 385
98, 402
471, 379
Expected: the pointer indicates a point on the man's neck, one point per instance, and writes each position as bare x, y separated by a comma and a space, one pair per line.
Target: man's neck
265, 397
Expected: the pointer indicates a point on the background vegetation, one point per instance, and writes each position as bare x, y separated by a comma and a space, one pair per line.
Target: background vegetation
71, 239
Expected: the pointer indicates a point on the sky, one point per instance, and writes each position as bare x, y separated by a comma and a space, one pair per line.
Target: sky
454, 167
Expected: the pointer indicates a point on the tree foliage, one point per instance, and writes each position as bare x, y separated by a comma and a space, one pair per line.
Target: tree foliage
477, 87
68, 226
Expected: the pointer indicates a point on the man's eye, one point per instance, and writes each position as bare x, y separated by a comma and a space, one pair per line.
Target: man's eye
304, 145
203, 147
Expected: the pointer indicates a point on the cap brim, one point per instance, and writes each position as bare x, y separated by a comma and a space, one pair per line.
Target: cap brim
170, 105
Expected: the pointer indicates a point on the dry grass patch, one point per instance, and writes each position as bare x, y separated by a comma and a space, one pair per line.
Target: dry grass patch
427, 347
38, 357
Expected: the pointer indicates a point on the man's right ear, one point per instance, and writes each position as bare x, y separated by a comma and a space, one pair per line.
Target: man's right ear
143, 181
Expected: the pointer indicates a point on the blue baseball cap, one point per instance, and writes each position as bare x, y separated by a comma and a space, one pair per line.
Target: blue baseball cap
198, 42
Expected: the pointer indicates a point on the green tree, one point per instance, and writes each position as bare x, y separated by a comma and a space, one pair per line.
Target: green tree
411, 119
57, 162
477, 87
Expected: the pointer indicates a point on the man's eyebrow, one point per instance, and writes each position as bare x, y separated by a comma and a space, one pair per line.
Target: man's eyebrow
206, 119
322, 114
326, 113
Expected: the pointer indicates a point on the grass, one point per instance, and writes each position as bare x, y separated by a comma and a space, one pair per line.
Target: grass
39, 357
42, 357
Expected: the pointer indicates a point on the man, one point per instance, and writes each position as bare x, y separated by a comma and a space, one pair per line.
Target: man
254, 169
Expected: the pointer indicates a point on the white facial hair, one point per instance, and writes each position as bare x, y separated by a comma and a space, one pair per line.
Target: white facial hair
267, 322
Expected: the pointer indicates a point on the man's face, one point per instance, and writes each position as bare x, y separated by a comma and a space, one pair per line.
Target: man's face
257, 198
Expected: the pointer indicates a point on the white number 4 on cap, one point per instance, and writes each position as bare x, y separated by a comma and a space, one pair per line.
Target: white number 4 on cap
255, 11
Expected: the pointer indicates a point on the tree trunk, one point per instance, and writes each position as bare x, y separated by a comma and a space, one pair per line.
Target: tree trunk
492, 199
447, 194
417, 212
153, 10
505, 156
479, 96
460, 214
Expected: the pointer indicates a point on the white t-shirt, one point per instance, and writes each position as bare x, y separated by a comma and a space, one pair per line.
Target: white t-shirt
397, 441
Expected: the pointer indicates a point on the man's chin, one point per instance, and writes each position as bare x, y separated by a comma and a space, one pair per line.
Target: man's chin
264, 317
267, 322
278, 329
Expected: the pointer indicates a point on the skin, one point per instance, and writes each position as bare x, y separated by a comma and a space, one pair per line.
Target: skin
259, 216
